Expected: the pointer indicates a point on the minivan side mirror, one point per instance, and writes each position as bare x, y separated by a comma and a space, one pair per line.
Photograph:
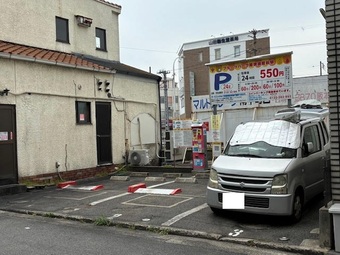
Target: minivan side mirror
310, 147
307, 149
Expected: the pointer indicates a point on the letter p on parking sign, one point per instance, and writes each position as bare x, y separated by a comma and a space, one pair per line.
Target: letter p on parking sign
233, 200
221, 78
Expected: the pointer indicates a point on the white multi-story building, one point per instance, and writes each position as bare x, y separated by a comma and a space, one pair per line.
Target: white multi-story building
193, 57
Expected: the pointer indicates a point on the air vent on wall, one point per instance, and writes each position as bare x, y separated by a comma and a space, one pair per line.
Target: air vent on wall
83, 21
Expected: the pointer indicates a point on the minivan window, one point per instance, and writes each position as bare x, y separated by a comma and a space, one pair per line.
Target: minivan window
325, 132
311, 134
259, 150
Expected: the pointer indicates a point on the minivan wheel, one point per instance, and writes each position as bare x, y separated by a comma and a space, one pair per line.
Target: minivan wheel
297, 208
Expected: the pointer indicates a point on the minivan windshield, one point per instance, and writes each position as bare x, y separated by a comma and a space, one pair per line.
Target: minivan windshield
259, 150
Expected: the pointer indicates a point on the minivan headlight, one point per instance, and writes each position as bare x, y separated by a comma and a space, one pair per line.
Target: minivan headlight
279, 185
213, 179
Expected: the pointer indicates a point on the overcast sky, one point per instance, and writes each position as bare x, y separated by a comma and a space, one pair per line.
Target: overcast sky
152, 31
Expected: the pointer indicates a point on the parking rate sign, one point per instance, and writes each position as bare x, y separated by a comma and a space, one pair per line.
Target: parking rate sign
265, 79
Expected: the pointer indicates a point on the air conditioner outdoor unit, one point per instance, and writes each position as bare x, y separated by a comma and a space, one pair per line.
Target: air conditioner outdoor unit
139, 157
83, 21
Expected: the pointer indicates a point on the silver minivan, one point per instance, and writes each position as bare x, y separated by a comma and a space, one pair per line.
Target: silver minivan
276, 165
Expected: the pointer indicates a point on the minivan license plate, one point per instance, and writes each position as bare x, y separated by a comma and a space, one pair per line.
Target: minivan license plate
233, 200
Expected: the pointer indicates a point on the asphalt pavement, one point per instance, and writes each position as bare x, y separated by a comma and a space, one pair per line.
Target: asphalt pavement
171, 203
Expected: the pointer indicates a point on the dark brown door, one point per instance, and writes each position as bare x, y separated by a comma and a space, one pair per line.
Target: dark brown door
104, 139
8, 151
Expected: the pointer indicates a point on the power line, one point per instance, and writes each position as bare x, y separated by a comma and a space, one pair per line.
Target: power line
272, 47
230, 56
242, 53
298, 44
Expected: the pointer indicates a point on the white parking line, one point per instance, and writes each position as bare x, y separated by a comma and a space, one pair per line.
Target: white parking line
109, 198
77, 199
161, 184
183, 215
126, 193
130, 202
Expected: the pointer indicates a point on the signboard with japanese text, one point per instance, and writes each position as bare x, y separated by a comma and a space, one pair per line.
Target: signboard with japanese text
216, 149
310, 88
304, 88
215, 122
182, 133
262, 79
215, 127
203, 104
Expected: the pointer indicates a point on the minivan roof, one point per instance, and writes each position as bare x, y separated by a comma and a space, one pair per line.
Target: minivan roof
297, 114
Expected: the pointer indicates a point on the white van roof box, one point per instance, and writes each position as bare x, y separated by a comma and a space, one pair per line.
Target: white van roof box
308, 104
303, 110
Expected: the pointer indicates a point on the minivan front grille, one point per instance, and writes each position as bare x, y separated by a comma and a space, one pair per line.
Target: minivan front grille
241, 183
235, 179
228, 187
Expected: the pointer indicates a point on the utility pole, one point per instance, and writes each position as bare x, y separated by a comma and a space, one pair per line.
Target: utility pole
166, 106
254, 33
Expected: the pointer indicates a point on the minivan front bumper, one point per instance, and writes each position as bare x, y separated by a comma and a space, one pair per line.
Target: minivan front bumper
267, 204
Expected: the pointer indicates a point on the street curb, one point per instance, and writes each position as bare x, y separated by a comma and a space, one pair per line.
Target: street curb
180, 232
139, 174
120, 178
186, 180
154, 179
172, 175
202, 175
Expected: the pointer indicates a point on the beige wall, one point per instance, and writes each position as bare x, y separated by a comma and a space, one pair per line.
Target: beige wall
33, 23
141, 97
47, 132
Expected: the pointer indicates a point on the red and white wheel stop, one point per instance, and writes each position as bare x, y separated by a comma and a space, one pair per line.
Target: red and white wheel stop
141, 188
72, 184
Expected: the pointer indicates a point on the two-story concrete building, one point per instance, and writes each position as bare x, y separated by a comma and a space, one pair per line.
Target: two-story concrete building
68, 107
